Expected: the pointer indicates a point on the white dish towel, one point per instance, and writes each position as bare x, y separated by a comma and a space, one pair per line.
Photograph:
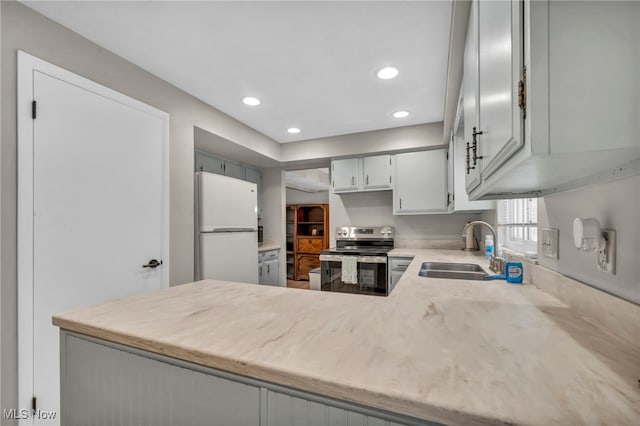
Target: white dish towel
350, 270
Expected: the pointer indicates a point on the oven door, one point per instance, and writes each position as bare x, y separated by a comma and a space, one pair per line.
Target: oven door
372, 275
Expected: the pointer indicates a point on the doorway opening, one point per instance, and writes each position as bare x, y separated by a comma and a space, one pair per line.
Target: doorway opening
307, 225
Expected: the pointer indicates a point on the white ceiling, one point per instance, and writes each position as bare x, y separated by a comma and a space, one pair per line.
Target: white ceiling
312, 64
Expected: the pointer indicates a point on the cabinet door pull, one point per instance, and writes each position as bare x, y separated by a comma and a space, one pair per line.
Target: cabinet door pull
353, 181
475, 146
468, 158
400, 203
268, 268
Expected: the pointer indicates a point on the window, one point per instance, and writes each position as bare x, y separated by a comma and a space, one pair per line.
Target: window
518, 225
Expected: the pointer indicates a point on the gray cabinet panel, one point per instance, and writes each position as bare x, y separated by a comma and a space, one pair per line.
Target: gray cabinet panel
207, 163
286, 410
106, 386
104, 383
233, 170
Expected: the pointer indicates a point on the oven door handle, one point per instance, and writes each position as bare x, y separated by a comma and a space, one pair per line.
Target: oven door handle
360, 259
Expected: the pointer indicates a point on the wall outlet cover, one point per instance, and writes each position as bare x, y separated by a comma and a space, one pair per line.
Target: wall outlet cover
549, 242
607, 255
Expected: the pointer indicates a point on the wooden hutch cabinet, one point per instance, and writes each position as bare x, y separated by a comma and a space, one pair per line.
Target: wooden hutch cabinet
307, 236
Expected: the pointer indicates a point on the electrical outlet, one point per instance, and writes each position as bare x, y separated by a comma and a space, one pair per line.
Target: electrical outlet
607, 255
549, 243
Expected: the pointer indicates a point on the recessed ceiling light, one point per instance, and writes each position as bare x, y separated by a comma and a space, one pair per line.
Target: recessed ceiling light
293, 130
387, 73
401, 114
251, 101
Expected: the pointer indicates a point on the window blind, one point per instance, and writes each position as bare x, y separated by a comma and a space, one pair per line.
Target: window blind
518, 224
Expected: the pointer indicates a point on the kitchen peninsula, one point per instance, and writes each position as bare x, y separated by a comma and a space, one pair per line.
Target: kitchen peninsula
434, 350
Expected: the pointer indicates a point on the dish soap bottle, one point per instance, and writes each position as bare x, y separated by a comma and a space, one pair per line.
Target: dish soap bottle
488, 246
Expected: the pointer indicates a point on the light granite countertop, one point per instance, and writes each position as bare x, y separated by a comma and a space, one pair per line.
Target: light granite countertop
451, 351
268, 245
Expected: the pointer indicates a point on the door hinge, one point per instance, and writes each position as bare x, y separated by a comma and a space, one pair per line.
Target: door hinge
33, 403
522, 92
33, 110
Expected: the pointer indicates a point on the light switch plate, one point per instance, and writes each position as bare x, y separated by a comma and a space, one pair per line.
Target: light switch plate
607, 255
549, 243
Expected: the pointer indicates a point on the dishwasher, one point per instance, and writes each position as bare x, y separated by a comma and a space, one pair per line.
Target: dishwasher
397, 267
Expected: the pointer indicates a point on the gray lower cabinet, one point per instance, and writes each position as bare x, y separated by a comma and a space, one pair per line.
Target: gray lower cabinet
104, 383
101, 385
286, 410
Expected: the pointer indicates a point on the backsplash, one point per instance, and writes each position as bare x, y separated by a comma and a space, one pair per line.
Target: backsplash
617, 206
375, 209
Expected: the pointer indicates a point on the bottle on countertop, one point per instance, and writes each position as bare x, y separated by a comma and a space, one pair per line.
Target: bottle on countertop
488, 246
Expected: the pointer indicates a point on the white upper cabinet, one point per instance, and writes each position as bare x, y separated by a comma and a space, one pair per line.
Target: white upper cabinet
457, 196
470, 98
376, 172
371, 173
555, 103
498, 132
344, 175
420, 182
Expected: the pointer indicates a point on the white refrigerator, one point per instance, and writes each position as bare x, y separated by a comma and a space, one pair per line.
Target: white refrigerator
226, 229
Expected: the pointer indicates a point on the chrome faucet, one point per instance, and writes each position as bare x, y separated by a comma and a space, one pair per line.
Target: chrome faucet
496, 264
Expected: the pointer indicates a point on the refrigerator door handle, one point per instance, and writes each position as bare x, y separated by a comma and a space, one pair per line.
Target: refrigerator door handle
222, 230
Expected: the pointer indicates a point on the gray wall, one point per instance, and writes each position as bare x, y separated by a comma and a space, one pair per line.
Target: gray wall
27, 30
273, 216
376, 209
616, 205
295, 196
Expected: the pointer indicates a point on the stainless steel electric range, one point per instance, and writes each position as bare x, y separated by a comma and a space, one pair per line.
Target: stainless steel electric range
362, 249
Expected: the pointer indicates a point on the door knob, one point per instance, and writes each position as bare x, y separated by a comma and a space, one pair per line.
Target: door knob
153, 263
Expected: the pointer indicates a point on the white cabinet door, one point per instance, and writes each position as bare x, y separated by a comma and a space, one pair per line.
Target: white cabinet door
500, 66
450, 175
376, 172
344, 175
420, 182
470, 98
234, 170
272, 270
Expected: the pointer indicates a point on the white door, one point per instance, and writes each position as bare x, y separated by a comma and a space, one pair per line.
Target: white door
229, 256
377, 172
92, 204
344, 174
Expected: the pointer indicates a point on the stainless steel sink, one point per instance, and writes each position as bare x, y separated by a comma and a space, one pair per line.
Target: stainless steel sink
456, 271
443, 266
454, 275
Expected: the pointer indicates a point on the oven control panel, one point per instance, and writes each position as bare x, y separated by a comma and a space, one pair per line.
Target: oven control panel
365, 233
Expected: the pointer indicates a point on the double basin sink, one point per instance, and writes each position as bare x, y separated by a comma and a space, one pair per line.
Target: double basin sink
457, 271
